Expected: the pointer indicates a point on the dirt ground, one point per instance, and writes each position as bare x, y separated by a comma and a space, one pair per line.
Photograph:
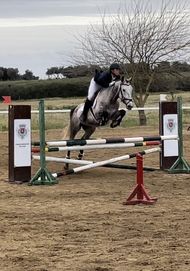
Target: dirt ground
80, 224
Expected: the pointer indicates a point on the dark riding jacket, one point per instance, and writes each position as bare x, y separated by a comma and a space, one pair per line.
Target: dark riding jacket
104, 78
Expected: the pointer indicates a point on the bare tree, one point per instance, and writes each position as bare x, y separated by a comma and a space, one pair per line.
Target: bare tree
140, 36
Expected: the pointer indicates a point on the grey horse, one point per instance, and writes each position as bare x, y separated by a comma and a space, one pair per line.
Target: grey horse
104, 109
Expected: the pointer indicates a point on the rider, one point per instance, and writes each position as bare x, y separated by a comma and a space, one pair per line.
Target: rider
100, 80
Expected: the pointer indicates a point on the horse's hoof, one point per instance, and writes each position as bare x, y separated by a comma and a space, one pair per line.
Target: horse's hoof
80, 157
102, 123
66, 167
116, 123
112, 125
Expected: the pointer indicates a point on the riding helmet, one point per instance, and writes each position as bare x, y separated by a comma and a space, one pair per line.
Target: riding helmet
114, 66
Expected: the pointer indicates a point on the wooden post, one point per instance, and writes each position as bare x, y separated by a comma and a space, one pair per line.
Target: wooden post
19, 143
168, 126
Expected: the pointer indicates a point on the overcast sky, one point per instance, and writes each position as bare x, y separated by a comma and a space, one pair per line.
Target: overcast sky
39, 34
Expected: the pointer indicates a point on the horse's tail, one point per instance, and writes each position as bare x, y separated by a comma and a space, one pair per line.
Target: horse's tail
67, 130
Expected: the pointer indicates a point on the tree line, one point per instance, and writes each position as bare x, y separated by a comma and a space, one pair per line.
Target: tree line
88, 70
176, 68
168, 76
12, 74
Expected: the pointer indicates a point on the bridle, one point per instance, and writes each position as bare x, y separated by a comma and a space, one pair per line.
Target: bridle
123, 99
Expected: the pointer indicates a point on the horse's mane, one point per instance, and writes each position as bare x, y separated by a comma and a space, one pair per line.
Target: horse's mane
117, 86
117, 83
110, 88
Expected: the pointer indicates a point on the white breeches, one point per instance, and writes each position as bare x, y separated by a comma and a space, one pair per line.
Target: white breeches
93, 90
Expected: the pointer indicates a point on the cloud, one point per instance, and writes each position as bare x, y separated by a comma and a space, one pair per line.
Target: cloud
44, 8
48, 21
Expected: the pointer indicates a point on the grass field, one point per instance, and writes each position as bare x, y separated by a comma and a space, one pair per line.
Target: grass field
59, 120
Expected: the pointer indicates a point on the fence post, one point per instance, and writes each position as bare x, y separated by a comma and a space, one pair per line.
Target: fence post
180, 165
19, 143
43, 176
139, 190
168, 126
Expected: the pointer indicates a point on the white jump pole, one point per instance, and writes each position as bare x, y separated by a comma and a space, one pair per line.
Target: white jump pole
64, 160
102, 163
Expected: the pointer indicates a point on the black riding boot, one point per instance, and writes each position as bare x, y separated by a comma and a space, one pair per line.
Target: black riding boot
88, 104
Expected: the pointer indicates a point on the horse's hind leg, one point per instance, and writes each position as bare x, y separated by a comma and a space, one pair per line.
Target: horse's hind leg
73, 131
89, 130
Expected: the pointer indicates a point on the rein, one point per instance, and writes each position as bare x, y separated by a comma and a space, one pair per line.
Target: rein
116, 96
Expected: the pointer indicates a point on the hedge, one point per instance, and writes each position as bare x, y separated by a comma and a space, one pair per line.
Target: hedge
75, 87
36, 89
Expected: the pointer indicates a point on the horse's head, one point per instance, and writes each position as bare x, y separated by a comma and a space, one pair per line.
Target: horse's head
125, 93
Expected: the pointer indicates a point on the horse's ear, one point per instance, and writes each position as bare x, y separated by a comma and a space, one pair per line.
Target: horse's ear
129, 79
122, 79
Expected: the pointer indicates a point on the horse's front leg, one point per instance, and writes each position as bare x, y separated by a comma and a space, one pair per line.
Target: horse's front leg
117, 118
68, 156
80, 155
